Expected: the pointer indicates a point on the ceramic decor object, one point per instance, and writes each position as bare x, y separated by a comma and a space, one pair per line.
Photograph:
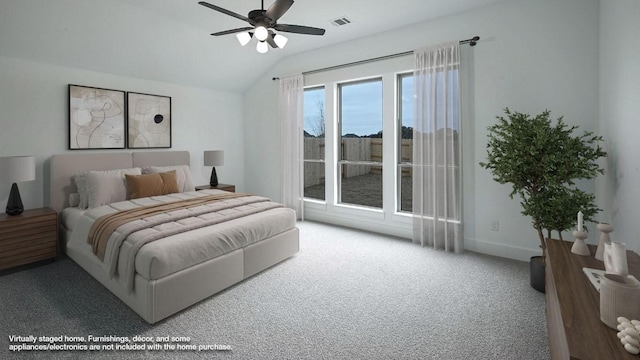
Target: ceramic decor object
619, 297
605, 229
579, 246
615, 258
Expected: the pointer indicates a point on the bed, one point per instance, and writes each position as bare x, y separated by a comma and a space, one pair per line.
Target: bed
162, 277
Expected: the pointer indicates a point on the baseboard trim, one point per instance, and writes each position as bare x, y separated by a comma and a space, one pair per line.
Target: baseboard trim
406, 231
501, 250
362, 223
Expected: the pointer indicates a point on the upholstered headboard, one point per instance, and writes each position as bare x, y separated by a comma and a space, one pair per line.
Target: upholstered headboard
63, 166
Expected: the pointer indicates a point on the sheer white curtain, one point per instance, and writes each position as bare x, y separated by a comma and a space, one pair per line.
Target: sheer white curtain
436, 148
291, 107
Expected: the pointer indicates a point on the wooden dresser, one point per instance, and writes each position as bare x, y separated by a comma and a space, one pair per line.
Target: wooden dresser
573, 306
29, 237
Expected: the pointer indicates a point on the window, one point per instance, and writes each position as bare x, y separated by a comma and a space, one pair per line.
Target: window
405, 142
360, 152
314, 143
367, 157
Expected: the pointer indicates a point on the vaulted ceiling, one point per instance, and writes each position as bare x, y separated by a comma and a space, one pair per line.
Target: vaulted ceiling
169, 41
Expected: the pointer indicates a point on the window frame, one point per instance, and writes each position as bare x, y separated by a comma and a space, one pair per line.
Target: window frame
324, 157
399, 164
341, 162
386, 220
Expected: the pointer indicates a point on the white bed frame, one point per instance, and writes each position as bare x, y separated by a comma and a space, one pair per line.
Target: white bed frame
155, 300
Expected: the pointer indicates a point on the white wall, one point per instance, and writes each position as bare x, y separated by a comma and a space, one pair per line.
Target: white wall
34, 120
533, 55
618, 191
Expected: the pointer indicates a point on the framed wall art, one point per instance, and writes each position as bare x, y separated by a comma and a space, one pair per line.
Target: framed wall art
148, 121
96, 118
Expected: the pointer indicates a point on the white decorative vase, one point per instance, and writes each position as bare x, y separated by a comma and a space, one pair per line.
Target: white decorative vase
605, 229
619, 296
615, 258
579, 246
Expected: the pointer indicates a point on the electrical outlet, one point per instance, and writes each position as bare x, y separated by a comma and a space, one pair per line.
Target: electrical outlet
495, 225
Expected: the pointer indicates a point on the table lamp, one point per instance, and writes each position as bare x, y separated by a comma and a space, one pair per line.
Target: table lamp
213, 158
14, 169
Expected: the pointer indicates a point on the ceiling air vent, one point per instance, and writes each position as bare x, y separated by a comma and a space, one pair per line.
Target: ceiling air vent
340, 21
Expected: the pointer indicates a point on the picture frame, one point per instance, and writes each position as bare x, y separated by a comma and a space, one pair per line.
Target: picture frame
96, 118
148, 121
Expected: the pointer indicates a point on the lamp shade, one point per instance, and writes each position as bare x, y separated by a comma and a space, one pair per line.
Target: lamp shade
261, 33
17, 168
244, 37
280, 40
262, 47
213, 158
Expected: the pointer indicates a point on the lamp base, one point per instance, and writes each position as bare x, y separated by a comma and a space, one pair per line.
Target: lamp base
14, 205
214, 177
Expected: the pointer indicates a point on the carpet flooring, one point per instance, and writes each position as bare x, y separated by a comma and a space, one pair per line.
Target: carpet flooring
348, 294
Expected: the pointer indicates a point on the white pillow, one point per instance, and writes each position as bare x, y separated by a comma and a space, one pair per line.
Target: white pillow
74, 199
182, 172
98, 188
79, 180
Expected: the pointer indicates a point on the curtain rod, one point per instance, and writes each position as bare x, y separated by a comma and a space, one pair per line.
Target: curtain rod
472, 42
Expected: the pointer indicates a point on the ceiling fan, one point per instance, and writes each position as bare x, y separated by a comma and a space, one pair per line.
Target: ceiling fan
263, 23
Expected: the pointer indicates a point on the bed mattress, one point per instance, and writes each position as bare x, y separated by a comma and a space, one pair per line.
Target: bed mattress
169, 255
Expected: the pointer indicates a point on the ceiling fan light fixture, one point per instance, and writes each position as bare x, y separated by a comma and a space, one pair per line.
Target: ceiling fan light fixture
280, 40
263, 23
262, 47
244, 37
261, 33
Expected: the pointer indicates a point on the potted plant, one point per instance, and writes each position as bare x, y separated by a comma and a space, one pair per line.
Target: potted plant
542, 161
559, 206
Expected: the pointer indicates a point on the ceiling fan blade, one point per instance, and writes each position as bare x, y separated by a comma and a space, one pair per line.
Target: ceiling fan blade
226, 12
278, 8
299, 29
232, 31
271, 42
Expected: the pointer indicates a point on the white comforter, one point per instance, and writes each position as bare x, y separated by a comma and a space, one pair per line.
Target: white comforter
182, 240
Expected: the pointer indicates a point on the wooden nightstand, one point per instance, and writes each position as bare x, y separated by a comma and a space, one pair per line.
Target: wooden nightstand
29, 237
225, 187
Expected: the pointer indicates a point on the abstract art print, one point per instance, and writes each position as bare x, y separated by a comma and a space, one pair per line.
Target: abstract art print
96, 118
149, 121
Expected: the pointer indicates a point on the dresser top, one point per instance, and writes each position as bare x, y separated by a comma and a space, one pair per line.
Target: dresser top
587, 336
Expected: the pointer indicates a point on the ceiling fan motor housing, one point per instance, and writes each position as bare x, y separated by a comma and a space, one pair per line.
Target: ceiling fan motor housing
258, 18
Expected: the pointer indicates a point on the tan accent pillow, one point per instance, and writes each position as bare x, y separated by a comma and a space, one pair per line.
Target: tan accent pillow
140, 186
182, 171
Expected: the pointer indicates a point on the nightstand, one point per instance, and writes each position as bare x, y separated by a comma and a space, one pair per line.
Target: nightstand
27, 238
225, 187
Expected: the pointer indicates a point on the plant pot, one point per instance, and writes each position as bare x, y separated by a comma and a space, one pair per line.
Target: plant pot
536, 273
